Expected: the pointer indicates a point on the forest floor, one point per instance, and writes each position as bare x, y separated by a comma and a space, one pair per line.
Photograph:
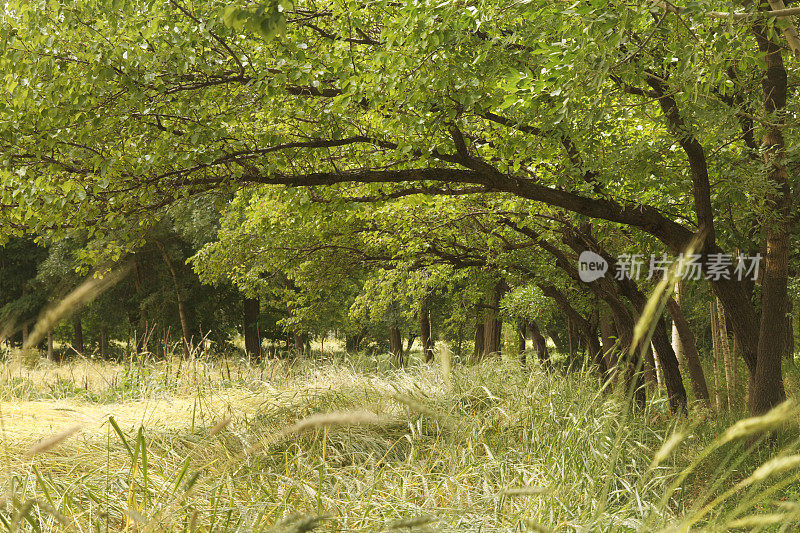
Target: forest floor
340, 443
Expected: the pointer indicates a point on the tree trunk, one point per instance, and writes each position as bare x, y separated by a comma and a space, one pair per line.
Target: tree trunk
670, 371
252, 339
789, 331
676, 336
730, 370
767, 382
493, 326
396, 346
299, 344
425, 334
103, 342
410, 344
586, 329
691, 357
77, 334
716, 351
179, 297
540, 345
50, 355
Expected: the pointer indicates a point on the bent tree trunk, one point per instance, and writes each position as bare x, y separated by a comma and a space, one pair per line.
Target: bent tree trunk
252, 338
691, 359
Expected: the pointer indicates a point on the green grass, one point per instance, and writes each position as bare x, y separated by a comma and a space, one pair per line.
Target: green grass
222, 446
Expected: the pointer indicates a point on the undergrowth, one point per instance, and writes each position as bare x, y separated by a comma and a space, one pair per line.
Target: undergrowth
330, 446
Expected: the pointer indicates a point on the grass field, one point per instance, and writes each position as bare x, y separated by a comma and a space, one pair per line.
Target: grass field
348, 444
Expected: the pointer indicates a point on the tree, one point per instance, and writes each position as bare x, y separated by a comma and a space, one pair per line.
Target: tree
617, 112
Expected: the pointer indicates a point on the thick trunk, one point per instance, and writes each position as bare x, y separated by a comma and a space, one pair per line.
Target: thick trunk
77, 334
396, 345
252, 338
691, 357
493, 326
767, 381
187, 335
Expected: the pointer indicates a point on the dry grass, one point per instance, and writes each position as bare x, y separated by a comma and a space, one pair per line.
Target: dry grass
225, 446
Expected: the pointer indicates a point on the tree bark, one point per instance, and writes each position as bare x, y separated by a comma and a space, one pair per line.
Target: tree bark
691, 357
767, 382
252, 338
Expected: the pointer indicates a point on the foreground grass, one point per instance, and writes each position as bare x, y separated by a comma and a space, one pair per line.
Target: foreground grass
352, 446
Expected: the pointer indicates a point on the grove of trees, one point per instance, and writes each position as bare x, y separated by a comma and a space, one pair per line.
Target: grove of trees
393, 171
